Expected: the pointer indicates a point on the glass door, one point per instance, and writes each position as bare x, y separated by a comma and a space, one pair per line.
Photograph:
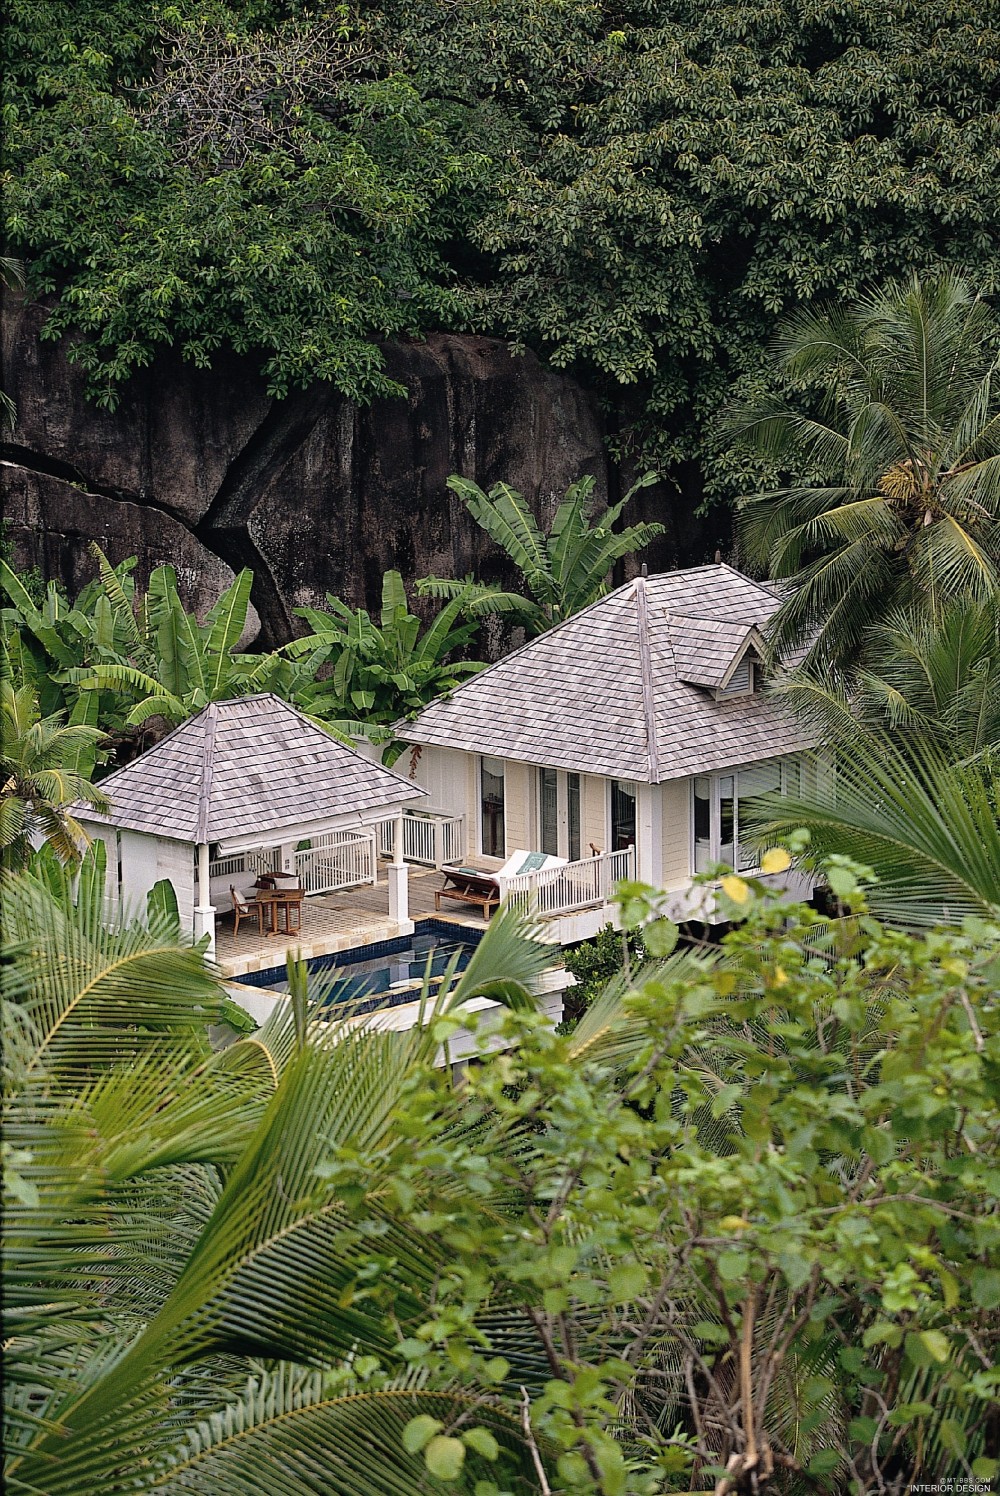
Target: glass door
492, 807
559, 813
623, 818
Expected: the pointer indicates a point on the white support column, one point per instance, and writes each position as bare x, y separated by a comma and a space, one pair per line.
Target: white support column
399, 887
649, 834
287, 853
204, 913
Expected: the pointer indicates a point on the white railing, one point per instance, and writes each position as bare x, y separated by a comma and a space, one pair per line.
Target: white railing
429, 838
266, 860
574, 885
339, 859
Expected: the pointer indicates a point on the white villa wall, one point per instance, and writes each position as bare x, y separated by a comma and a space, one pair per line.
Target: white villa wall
439, 771
146, 860
520, 828
676, 831
593, 813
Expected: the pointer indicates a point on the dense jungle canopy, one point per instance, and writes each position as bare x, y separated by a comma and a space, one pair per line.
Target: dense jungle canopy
638, 191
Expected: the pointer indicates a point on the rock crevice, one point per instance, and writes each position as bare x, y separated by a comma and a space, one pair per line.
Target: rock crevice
204, 469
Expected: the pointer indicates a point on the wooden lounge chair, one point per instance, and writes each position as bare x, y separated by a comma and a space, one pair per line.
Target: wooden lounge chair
469, 885
245, 909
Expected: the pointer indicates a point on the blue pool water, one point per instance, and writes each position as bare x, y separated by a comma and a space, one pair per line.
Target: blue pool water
369, 977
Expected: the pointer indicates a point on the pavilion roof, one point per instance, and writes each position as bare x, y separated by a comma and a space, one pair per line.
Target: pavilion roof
252, 764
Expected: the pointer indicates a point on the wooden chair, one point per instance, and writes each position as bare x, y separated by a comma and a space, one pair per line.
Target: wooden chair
244, 910
469, 886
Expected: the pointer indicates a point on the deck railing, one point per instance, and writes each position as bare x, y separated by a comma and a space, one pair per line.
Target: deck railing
266, 860
574, 885
429, 838
338, 859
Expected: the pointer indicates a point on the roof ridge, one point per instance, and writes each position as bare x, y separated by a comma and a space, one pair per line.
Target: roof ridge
207, 768
646, 678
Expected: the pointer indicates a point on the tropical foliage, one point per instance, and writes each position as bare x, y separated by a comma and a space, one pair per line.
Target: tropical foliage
562, 571
931, 680
928, 827
125, 660
375, 673
740, 1226
43, 771
895, 448
637, 191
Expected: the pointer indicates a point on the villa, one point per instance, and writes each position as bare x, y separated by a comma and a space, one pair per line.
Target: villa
621, 743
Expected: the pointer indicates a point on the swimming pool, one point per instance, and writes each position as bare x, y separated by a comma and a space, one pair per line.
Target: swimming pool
381, 975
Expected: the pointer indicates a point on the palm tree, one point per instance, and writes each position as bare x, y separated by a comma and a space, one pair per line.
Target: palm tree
41, 777
564, 570
928, 827
933, 679
895, 441
188, 1294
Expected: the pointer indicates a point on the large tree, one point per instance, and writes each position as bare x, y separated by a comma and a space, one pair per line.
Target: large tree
637, 190
894, 451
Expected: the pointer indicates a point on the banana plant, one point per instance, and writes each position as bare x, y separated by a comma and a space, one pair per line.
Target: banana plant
563, 571
378, 672
44, 641
172, 665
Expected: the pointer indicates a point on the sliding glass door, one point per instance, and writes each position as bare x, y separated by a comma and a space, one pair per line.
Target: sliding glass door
716, 810
559, 813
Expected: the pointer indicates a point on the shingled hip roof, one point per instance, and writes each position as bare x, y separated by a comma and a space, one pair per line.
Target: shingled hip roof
251, 765
610, 690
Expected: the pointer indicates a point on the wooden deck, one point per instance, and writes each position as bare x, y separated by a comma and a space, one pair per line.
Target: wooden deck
337, 922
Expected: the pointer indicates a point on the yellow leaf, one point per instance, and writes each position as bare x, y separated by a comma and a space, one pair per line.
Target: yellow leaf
734, 1223
775, 861
735, 889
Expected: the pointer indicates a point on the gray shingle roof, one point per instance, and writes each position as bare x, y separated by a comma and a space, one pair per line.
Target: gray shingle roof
603, 694
247, 765
706, 649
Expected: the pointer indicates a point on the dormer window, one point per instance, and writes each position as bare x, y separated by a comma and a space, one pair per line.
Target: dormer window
741, 682
718, 655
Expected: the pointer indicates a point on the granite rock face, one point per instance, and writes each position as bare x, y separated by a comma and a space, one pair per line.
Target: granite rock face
203, 469
51, 523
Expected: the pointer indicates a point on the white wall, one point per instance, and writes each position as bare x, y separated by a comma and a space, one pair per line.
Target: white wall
593, 813
148, 859
676, 831
442, 772
520, 828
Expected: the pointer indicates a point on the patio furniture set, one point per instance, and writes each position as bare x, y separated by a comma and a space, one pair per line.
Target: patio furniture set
272, 894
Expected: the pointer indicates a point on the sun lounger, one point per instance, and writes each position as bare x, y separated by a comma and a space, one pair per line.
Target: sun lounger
471, 885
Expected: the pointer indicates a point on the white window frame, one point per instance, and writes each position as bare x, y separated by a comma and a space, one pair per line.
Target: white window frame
608, 827
715, 811
562, 809
479, 802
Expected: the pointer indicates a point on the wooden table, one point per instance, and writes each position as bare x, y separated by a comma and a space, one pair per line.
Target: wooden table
281, 898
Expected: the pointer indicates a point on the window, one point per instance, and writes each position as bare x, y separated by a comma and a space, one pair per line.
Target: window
573, 816
559, 813
622, 814
492, 803
716, 810
548, 801
742, 680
